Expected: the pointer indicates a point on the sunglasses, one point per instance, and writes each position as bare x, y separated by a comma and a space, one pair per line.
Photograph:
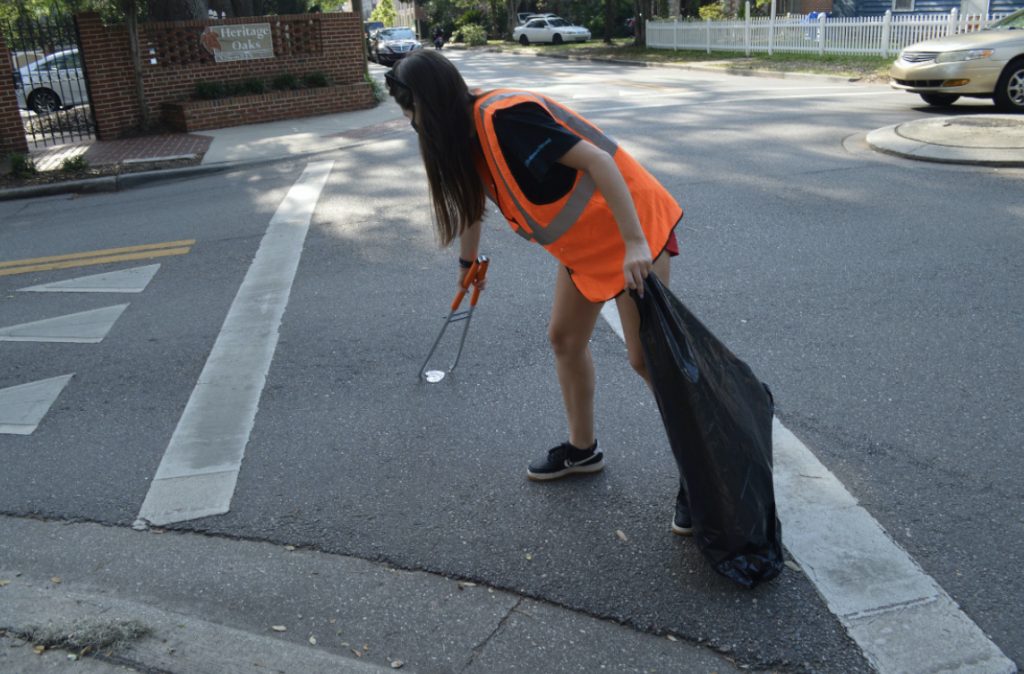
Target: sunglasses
401, 92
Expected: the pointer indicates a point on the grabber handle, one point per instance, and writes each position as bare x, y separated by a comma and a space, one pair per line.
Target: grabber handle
481, 273
467, 279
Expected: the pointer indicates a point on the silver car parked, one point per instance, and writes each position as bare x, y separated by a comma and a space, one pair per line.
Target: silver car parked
53, 82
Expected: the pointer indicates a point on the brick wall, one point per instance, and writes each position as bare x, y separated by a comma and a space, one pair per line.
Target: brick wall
12, 133
199, 115
173, 62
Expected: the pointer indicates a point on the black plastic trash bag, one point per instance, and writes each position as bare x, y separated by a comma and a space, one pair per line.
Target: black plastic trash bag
718, 416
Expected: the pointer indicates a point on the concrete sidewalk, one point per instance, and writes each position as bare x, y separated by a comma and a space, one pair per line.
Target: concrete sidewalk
196, 604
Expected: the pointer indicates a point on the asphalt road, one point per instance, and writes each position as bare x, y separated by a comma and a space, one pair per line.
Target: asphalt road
878, 297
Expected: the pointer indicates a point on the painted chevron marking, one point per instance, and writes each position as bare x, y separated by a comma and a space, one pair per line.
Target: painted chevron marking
84, 327
132, 280
23, 407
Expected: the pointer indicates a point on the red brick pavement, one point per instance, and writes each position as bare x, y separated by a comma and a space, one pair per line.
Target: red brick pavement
110, 152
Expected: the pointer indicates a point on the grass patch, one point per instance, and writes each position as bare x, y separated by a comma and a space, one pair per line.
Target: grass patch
871, 68
86, 636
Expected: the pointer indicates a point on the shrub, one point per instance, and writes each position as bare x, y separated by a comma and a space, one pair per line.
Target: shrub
22, 166
208, 91
715, 12
253, 86
378, 90
74, 164
473, 35
284, 81
314, 80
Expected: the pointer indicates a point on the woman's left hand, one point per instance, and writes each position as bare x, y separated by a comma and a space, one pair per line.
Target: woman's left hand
637, 265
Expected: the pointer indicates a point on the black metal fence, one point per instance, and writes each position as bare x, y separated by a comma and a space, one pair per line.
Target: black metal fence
50, 80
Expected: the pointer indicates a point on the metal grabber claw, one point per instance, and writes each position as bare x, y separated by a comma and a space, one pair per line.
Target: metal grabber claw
474, 275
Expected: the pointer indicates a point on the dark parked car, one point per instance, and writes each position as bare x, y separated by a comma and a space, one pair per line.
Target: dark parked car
388, 45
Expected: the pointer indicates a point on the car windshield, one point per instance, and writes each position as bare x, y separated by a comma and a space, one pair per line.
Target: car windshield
558, 23
1013, 22
397, 34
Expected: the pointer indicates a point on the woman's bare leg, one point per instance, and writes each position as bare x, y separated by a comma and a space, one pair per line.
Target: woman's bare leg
630, 318
572, 322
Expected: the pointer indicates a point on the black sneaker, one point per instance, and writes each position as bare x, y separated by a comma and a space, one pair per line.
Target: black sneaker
682, 523
565, 460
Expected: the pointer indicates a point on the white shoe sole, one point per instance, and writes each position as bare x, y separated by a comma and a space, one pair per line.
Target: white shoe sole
543, 477
681, 531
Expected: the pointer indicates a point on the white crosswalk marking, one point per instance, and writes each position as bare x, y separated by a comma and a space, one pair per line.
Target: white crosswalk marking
124, 281
22, 407
199, 469
84, 327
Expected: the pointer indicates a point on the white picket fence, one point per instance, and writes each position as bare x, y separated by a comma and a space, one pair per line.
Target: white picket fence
882, 35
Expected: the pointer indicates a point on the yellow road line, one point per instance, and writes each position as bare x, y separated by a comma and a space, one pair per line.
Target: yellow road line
67, 264
97, 253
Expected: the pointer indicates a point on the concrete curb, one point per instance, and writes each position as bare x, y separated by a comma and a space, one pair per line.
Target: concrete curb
126, 181
177, 642
889, 140
220, 605
114, 183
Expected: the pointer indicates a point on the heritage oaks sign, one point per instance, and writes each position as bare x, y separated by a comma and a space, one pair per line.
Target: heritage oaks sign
238, 42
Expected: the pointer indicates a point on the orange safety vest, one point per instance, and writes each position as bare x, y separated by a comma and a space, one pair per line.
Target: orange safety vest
579, 229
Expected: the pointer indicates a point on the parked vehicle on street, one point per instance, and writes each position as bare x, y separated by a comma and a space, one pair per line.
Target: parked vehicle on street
51, 83
389, 45
553, 29
985, 64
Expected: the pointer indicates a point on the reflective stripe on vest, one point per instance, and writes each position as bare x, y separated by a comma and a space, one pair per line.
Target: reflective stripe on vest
582, 190
578, 228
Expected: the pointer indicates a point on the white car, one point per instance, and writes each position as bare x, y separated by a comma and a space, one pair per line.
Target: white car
51, 83
986, 64
553, 29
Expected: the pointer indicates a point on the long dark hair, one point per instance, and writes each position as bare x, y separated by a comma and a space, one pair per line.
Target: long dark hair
430, 85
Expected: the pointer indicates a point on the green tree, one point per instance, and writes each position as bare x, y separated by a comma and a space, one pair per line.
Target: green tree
384, 12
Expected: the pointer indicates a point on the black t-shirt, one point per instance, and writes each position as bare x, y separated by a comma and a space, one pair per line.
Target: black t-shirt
532, 143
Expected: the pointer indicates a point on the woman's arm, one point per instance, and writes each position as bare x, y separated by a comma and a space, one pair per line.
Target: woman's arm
469, 245
605, 172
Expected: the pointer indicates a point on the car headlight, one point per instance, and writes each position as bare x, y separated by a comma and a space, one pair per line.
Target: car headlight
969, 55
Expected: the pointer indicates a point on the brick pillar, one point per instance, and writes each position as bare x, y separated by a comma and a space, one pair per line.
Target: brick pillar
12, 133
108, 70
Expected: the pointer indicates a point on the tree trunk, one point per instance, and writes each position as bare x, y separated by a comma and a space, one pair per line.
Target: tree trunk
513, 20
131, 19
609, 20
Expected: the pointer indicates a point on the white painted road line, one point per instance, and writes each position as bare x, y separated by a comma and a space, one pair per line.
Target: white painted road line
199, 469
132, 280
898, 615
901, 619
23, 407
84, 327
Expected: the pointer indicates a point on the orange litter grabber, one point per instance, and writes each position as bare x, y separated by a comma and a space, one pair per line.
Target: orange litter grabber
475, 274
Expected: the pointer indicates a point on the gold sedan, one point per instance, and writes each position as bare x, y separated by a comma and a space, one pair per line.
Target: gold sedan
986, 64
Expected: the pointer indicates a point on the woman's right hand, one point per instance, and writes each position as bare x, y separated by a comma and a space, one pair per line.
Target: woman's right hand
478, 282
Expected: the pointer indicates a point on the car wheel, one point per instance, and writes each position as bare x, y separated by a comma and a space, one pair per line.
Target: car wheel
43, 101
1010, 90
523, 40
939, 99
557, 39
